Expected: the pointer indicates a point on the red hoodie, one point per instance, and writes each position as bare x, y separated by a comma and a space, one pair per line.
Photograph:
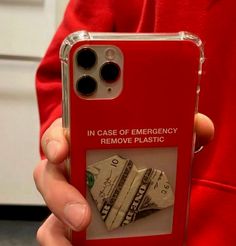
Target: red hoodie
212, 220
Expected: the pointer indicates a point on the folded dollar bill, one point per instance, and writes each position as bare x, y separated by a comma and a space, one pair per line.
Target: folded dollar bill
124, 194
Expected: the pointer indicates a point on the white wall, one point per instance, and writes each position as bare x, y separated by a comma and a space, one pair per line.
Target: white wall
26, 28
18, 133
61, 6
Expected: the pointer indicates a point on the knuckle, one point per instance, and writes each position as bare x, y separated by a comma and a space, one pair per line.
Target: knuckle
44, 140
52, 133
41, 234
38, 172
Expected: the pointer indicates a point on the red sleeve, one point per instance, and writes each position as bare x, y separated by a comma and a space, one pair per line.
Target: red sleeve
80, 15
213, 198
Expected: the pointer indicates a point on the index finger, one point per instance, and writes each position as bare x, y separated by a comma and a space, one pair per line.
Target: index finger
54, 143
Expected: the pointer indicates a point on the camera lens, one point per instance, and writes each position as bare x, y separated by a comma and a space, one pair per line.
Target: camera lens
110, 72
86, 58
86, 85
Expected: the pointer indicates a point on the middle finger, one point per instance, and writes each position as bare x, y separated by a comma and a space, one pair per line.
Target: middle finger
62, 198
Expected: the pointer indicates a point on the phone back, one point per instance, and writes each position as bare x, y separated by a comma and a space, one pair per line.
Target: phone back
129, 102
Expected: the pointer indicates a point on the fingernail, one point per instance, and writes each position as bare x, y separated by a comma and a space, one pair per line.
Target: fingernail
75, 214
52, 149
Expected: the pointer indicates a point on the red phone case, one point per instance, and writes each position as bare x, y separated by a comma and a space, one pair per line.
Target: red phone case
150, 123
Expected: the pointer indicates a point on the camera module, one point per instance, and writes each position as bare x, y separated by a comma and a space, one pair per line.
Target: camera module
86, 58
110, 72
86, 85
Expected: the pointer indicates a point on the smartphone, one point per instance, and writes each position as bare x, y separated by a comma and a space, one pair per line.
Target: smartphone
129, 103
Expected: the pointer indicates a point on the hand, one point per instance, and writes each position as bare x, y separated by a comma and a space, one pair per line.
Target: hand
204, 129
69, 208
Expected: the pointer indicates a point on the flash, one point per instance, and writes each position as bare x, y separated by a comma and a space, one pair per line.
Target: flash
110, 53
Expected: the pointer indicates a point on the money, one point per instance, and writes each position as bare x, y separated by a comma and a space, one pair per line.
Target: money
124, 194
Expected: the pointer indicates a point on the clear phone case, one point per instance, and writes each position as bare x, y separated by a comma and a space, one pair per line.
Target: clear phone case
129, 102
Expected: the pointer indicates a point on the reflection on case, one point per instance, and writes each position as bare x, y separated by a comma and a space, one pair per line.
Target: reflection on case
129, 102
